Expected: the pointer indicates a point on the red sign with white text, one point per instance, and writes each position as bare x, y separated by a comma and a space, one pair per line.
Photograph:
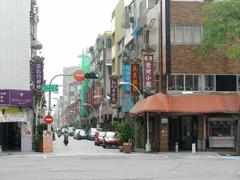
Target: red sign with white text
135, 77
148, 71
48, 119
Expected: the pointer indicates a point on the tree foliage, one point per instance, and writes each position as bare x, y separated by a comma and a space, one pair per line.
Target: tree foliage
222, 28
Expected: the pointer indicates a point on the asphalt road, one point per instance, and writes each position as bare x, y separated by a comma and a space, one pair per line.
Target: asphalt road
83, 160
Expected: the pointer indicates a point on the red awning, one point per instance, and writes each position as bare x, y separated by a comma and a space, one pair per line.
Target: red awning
192, 104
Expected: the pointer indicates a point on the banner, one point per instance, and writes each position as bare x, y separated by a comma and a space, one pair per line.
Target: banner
135, 77
127, 77
113, 90
148, 71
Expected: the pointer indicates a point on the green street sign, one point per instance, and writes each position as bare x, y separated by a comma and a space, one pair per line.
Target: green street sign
48, 87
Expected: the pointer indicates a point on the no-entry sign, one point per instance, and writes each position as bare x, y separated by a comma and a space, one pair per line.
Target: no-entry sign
48, 119
79, 75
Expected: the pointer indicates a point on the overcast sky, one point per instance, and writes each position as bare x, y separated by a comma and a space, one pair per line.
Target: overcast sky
66, 27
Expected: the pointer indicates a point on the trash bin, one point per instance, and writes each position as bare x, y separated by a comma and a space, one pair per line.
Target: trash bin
199, 145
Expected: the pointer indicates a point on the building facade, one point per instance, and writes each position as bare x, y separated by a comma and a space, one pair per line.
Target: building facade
164, 43
18, 49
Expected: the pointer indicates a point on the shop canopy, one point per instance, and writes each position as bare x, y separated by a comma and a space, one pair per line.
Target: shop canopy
188, 104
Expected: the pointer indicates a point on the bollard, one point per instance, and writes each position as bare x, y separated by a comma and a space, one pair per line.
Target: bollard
176, 147
193, 148
0, 148
204, 144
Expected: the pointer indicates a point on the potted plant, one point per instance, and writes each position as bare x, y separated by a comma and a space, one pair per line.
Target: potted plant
38, 137
125, 137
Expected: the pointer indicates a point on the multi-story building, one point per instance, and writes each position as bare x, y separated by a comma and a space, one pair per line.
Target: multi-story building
166, 36
99, 89
69, 86
18, 51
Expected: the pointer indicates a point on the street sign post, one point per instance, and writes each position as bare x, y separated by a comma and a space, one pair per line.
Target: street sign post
48, 87
48, 119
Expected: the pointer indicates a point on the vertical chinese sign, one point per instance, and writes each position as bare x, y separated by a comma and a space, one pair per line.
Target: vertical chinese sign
127, 77
98, 94
113, 90
135, 77
38, 74
148, 71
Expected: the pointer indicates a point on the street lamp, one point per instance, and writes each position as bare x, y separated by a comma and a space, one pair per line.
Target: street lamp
127, 82
100, 107
148, 145
95, 113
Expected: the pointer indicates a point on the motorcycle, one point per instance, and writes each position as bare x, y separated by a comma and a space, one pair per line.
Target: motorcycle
65, 140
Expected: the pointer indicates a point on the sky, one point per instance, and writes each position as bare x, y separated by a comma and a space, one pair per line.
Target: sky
67, 27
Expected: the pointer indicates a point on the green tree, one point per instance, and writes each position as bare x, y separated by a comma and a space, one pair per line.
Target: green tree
222, 28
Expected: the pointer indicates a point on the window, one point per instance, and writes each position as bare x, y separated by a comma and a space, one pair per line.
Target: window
197, 82
186, 34
221, 128
197, 35
171, 82
179, 34
179, 82
209, 83
188, 82
238, 83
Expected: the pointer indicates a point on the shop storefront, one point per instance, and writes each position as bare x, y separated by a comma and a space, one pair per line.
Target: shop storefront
207, 121
16, 120
222, 132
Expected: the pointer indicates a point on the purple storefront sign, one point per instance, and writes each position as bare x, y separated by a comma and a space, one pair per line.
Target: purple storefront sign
16, 98
38, 74
4, 97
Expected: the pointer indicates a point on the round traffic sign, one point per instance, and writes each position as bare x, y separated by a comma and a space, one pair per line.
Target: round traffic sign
48, 119
79, 75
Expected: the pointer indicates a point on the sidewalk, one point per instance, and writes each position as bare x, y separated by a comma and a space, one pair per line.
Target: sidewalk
136, 153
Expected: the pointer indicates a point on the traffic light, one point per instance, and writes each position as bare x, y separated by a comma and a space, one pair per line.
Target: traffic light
92, 75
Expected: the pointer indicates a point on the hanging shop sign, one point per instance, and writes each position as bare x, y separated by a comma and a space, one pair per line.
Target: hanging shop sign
135, 77
38, 74
148, 71
16, 98
98, 94
113, 90
127, 77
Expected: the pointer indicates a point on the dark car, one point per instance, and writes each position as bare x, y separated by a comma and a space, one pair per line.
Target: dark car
111, 139
99, 137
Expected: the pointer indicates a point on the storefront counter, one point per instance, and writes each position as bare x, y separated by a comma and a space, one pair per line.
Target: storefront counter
222, 142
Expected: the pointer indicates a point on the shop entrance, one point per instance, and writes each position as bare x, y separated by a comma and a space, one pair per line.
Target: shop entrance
182, 130
10, 136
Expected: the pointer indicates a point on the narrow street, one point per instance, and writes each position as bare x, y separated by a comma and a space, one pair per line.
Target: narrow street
80, 147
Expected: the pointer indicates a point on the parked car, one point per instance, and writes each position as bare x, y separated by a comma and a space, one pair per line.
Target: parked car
71, 131
64, 129
99, 137
59, 132
111, 139
76, 134
82, 134
91, 133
